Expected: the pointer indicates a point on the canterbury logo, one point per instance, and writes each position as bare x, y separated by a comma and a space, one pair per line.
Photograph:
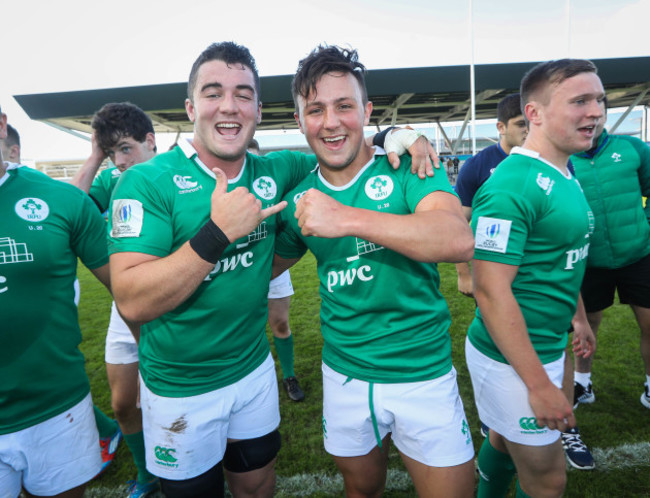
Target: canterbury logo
165, 454
529, 424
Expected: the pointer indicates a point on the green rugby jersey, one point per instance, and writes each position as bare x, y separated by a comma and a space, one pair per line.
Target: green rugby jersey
103, 186
45, 226
529, 214
383, 318
217, 336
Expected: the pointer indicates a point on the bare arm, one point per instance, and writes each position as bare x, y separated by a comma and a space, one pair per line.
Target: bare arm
84, 177
146, 287
507, 328
280, 264
584, 340
436, 231
465, 284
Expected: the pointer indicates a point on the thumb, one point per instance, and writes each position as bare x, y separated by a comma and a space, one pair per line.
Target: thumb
222, 181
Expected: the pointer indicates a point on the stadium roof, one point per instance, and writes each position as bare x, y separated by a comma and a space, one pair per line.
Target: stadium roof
400, 96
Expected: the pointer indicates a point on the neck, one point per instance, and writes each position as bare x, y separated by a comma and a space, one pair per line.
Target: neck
342, 176
504, 146
2, 166
549, 152
231, 168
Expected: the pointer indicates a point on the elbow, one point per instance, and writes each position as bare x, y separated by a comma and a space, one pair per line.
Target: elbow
462, 249
130, 313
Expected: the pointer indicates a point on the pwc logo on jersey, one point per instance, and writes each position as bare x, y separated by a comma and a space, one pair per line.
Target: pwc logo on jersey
379, 187
344, 278
492, 234
32, 209
127, 216
186, 184
116, 172
265, 187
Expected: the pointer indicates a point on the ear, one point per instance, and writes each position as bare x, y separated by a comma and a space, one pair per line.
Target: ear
297, 118
533, 112
259, 112
367, 111
501, 128
150, 140
189, 109
3, 125
14, 153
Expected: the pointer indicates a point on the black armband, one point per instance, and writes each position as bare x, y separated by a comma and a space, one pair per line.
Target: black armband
380, 137
209, 242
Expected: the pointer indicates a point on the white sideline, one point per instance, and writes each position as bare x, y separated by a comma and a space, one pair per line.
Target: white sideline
607, 459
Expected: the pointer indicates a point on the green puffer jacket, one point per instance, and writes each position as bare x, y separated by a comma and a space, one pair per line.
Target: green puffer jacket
614, 176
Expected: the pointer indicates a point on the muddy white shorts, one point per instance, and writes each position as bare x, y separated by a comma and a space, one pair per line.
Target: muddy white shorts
426, 419
502, 398
54, 456
121, 347
185, 437
281, 286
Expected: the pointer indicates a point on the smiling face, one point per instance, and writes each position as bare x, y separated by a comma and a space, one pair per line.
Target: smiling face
225, 110
332, 119
565, 116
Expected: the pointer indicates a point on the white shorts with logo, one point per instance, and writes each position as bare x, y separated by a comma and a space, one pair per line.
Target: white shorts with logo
502, 398
186, 437
121, 347
54, 456
281, 286
426, 419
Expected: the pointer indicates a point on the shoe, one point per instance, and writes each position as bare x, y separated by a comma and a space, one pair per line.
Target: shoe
576, 451
582, 394
109, 449
138, 490
645, 397
484, 430
293, 389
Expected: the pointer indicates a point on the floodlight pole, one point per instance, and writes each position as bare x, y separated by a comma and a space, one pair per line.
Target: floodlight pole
472, 79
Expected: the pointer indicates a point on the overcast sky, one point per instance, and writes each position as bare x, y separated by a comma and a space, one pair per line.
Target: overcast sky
76, 44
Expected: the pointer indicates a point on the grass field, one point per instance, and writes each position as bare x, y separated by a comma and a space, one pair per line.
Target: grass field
616, 427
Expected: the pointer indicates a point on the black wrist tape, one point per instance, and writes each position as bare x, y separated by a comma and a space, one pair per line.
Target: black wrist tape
380, 137
209, 242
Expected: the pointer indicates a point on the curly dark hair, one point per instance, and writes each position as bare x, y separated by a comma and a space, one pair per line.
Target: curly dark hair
115, 121
322, 60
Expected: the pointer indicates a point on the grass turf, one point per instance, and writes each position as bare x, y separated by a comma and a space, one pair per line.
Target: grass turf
616, 427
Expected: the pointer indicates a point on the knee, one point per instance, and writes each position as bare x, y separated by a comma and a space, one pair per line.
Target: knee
550, 485
280, 326
124, 407
251, 454
208, 485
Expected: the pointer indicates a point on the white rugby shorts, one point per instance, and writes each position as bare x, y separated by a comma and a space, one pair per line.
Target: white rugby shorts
186, 437
502, 398
426, 419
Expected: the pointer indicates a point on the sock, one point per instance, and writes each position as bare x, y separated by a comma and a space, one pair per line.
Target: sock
647, 380
496, 471
105, 425
520, 492
284, 348
582, 378
135, 442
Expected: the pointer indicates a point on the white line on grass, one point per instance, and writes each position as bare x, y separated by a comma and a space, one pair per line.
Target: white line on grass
608, 459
